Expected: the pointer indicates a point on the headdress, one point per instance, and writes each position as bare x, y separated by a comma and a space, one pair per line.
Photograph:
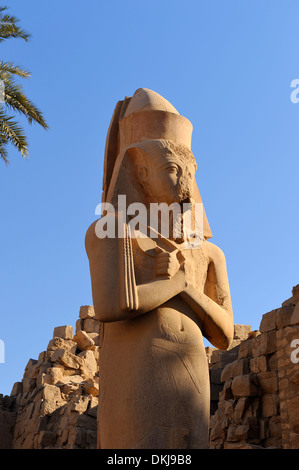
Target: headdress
145, 116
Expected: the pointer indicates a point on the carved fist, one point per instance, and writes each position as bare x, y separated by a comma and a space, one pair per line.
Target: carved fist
167, 264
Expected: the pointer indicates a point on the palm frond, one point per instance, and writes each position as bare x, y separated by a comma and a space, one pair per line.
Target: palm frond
9, 68
3, 150
10, 131
16, 99
9, 27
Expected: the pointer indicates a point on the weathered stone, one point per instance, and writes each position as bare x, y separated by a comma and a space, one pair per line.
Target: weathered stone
93, 407
217, 432
258, 364
80, 404
295, 378
95, 337
51, 399
268, 322
274, 427
16, 389
293, 407
91, 388
283, 316
79, 325
242, 405
244, 386
84, 340
268, 381
264, 344
86, 311
61, 343
226, 393
67, 358
241, 332
65, 332
91, 325
7, 424
295, 316
269, 405
245, 349
295, 292
235, 368
89, 367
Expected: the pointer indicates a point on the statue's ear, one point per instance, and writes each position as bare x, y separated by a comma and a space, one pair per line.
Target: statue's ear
139, 159
142, 174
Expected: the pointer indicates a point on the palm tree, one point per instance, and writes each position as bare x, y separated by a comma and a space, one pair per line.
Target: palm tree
12, 97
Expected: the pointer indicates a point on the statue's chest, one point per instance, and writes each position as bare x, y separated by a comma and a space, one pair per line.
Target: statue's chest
196, 262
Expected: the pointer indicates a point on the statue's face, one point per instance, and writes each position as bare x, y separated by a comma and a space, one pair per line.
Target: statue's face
168, 180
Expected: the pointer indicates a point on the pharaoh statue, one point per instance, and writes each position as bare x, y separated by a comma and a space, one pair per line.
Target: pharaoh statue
156, 296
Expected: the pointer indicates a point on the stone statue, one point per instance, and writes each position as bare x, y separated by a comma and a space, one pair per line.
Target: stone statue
155, 296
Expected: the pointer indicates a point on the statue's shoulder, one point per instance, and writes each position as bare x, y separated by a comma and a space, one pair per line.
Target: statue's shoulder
213, 252
94, 239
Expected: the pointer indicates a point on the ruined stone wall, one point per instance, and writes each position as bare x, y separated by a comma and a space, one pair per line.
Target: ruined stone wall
56, 401
254, 388
259, 402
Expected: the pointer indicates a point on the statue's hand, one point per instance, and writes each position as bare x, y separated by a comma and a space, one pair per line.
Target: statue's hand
167, 264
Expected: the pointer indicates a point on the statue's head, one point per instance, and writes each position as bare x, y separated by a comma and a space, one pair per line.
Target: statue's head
165, 170
148, 154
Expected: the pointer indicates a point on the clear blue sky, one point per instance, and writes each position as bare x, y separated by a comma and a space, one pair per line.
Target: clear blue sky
225, 65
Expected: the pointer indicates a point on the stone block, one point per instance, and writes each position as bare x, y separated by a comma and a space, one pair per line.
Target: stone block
293, 411
226, 393
268, 321
91, 325
295, 292
241, 332
86, 311
95, 337
268, 381
241, 407
79, 325
217, 432
65, 332
67, 359
295, 378
84, 340
283, 316
91, 388
295, 316
60, 343
51, 399
235, 368
270, 404
245, 348
274, 427
231, 433
264, 344
89, 367
258, 364
7, 420
244, 386
16, 389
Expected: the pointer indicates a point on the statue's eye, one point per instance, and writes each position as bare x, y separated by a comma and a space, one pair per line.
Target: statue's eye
172, 169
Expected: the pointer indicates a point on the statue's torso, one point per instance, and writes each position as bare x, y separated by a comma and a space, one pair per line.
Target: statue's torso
155, 363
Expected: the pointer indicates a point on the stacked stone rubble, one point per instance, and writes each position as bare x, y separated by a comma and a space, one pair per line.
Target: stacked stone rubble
7, 421
56, 401
218, 359
258, 405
